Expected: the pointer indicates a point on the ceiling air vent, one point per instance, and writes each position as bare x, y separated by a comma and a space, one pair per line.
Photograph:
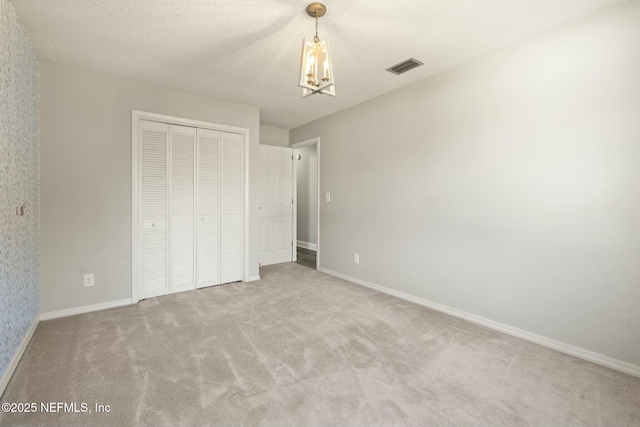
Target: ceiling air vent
404, 66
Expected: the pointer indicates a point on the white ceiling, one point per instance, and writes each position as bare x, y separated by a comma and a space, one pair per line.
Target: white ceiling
247, 51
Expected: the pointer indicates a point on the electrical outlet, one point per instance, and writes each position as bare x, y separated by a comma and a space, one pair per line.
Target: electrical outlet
356, 258
88, 280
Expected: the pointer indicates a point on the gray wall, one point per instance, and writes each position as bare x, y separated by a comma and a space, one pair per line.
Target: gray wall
19, 184
85, 137
270, 135
508, 187
307, 193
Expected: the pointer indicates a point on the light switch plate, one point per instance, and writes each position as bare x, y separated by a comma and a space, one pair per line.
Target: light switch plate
327, 197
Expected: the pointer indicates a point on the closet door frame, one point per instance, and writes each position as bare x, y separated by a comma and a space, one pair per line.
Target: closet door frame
136, 146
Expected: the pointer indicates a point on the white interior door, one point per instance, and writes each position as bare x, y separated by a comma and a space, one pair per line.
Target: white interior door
153, 182
182, 208
189, 205
208, 218
275, 208
232, 205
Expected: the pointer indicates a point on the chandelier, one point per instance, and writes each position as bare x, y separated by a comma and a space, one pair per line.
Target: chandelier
316, 70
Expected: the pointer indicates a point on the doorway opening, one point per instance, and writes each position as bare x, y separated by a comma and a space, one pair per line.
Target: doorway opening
306, 206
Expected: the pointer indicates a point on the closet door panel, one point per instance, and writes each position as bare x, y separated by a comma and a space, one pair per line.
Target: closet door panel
182, 208
208, 224
153, 208
232, 205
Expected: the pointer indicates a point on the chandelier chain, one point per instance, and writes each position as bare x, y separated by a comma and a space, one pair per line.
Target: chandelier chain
316, 38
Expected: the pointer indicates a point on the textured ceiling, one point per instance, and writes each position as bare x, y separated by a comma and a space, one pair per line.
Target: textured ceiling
247, 51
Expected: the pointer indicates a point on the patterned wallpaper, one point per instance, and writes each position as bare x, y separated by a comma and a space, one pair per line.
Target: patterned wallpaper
19, 184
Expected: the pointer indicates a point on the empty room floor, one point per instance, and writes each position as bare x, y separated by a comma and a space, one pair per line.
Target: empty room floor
303, 348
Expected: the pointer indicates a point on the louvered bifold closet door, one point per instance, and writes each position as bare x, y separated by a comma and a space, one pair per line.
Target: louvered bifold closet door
232, 205
182, 208
153, 208
208, 218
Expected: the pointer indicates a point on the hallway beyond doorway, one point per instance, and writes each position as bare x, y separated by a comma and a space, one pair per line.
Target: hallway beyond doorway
306, 258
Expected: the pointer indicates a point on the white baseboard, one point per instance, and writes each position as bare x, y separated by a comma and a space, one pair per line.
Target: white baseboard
581, 353
252, 278
307, 245
84, 309
18, 355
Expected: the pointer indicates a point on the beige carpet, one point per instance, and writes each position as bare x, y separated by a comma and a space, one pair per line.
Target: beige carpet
302, 348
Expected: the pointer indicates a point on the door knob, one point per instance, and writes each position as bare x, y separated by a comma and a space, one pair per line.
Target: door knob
154, 225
